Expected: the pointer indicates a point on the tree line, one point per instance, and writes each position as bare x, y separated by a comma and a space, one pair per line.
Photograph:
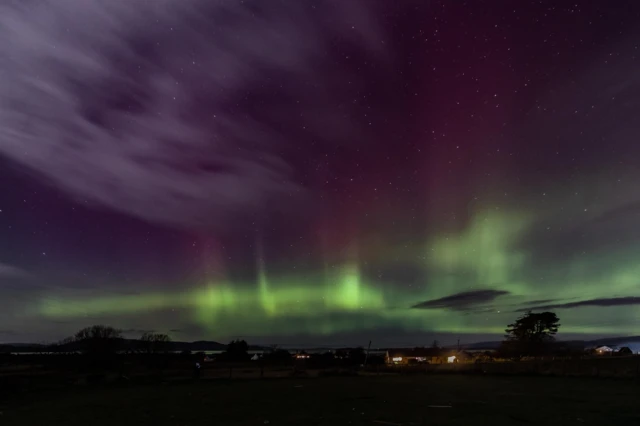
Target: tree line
105, 340
532, 334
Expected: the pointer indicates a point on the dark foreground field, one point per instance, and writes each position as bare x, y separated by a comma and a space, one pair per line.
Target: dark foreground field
382, 400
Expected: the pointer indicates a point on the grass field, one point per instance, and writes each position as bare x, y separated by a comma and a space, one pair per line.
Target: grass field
382, 400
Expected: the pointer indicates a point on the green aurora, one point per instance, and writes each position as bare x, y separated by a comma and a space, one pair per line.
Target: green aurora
318, 173
340, 299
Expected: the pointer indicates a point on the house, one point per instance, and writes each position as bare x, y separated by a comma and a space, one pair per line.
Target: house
624, 351
605, 350
459, 356
302, 355
414, 356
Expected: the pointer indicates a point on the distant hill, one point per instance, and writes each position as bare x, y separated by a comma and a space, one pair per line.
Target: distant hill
128, 344
616, 341
608, 341
480, 346
206, 345
200, 345
21, 347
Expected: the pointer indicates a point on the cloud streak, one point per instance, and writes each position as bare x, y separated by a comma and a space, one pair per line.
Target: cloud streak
462, 301
167, 111
601, 302
8, 271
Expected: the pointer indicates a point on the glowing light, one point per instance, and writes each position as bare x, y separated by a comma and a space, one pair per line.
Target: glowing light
352, 296
397, 359
451, 359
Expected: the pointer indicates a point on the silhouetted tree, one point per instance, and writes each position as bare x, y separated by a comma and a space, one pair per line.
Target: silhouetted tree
99, 340
66, 341
530, 334
237, 350
99, 344
435, 344
65, 345
155, 342
532, 327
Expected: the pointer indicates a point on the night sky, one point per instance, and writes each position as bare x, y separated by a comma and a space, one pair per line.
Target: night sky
318, 172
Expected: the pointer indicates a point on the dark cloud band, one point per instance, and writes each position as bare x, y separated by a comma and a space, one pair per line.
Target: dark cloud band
602, 302
462, 301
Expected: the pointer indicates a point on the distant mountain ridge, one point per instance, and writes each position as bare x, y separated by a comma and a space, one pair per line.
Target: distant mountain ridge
605, 341
207, 345
128, 344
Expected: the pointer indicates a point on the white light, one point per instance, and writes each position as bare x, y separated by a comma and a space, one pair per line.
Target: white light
451, 358
397, 359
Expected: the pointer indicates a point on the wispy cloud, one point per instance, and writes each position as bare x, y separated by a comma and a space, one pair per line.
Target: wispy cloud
601, 302
8, 271
462, 301
539, 301
149, 108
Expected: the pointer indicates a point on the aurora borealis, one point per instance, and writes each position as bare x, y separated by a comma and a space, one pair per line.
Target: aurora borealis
318, 172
